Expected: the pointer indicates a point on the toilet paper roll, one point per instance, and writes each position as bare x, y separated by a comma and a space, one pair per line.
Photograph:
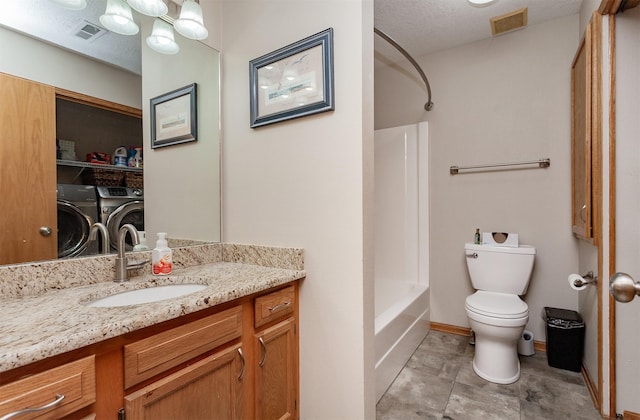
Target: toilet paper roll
572, 282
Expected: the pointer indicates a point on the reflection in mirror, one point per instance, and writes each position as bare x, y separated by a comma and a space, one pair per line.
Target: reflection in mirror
188, 173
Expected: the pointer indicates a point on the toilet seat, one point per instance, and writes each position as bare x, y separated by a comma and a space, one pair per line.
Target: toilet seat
497, 305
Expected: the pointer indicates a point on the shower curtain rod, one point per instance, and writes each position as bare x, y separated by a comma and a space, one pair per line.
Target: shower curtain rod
429, 105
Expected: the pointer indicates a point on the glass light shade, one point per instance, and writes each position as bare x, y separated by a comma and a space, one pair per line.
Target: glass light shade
481, 2
153, 8
71, 4
190, 24
117, 18
161, 39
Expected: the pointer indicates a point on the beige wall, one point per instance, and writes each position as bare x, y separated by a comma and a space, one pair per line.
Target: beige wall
34, 60
586, 10
307, 183
506, 99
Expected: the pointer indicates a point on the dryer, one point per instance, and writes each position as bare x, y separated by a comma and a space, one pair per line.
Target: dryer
118, 206
77, 211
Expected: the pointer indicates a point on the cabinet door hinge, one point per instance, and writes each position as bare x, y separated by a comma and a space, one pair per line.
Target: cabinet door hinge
122, 415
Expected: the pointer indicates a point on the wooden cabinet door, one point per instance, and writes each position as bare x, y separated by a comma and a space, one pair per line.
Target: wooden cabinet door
208, 389
277, 374
581, 138
27, 171
586, 133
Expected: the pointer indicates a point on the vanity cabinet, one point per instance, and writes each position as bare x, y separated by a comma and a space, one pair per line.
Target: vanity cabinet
586, 132
238, 360
209, 388
277, 358
52, 394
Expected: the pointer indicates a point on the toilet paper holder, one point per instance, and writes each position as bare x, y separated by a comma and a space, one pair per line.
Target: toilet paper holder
588, 278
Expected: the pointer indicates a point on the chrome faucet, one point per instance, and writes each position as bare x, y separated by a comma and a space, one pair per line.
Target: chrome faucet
121, 260
93, 235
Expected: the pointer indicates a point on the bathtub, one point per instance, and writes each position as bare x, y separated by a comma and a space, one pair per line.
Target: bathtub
399, 329
401, 248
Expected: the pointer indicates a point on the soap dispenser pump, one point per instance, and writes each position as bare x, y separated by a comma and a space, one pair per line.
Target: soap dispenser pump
162, 256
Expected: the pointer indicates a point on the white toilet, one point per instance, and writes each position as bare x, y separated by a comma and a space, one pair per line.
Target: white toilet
496, 313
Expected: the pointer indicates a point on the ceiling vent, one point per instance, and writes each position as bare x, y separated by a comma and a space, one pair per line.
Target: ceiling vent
89, 31
509, 22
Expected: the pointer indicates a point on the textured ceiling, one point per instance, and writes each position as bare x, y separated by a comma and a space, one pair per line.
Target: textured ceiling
425, 26
420, 26
44, 20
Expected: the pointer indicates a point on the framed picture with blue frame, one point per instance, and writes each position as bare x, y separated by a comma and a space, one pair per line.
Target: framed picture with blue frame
294, 81
174, 117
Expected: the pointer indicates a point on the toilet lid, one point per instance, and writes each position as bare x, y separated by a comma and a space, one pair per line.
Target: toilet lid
498, 305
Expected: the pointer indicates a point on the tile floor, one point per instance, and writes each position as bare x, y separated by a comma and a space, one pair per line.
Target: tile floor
438, 382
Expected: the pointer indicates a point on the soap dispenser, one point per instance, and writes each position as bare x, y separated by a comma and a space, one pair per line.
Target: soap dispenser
162, 256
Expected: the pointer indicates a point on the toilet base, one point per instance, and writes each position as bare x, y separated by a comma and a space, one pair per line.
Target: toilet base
495, 380
496, 353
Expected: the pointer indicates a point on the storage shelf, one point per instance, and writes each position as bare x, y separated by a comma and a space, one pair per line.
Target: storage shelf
78, 164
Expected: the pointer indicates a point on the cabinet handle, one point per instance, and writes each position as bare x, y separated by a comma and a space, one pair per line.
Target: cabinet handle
264, 353
58, 399
45, 231
279, 306
583, 213
243, 364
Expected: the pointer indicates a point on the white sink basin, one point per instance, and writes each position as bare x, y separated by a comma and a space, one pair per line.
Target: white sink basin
148, 295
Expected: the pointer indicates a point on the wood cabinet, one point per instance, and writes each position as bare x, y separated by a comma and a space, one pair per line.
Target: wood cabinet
211, 388
51, 394
276, 376
163, 351
235, 361
586, 132
277, 356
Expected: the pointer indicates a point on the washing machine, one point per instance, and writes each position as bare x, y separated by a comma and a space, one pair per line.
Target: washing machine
118, 206
77, 211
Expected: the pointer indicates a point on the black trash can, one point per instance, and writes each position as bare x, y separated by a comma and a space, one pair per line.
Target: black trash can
565, 338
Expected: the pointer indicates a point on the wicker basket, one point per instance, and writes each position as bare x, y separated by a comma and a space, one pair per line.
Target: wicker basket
134, 179
103, 177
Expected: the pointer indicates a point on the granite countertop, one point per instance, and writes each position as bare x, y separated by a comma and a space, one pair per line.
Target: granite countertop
38, 326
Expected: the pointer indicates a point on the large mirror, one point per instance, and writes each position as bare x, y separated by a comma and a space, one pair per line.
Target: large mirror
181, 190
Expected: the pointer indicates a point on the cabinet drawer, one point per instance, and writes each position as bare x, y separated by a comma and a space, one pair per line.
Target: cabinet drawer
76, 381
274, 306
154, 355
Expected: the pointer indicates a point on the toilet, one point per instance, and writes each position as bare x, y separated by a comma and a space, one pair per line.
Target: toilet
496, 313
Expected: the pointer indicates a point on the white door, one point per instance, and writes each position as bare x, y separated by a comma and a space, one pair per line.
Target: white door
628, 206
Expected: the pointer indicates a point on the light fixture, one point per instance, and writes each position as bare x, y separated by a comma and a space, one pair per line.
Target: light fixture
155, 8
117, 18
71, 4
161, 39
481, 3
190, 24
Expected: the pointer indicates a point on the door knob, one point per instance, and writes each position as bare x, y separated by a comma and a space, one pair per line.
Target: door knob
623, 288
45, 231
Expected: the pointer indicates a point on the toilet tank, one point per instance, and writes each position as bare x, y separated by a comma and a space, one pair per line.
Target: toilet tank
499, 268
